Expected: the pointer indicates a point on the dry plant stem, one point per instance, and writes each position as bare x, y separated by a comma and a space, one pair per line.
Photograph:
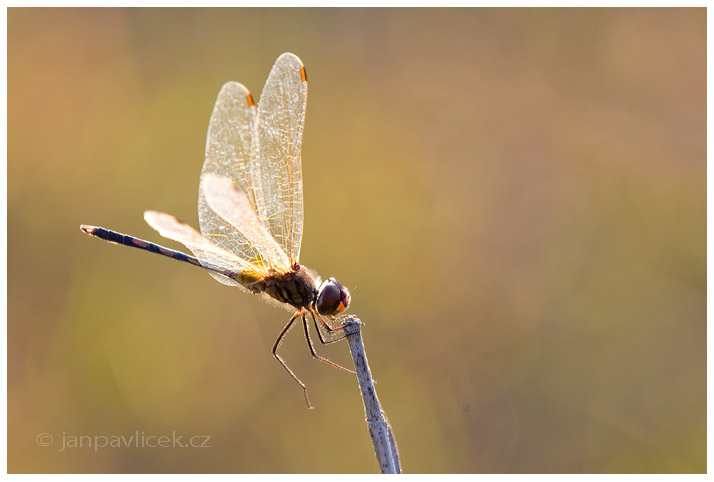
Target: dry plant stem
385, 447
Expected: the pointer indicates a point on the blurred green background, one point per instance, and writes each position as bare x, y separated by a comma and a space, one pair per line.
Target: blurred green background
515, 197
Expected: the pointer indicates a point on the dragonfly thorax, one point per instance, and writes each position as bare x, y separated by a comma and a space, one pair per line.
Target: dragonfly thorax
296, 288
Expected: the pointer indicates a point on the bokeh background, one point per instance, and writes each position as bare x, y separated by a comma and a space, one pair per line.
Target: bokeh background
515, 197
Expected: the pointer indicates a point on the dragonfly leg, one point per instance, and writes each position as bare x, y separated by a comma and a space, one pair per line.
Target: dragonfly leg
282, 362
319, 333
312, 348
324, 323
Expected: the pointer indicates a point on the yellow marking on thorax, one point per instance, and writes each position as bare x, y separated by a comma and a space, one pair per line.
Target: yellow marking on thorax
248, 277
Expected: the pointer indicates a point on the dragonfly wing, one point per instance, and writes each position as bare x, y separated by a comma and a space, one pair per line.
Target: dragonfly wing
226, 199
227, 154
212, 257
275, 169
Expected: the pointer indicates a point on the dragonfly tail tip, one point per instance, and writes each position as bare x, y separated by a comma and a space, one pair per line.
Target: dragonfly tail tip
87, 229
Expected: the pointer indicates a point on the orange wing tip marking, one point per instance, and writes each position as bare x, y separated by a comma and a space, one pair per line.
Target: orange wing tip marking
303, 73
249, 98
87, 229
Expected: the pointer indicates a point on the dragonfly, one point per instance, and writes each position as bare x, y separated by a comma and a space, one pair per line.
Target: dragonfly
250, 207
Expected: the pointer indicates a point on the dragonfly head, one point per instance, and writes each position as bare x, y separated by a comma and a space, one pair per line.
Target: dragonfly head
332, 298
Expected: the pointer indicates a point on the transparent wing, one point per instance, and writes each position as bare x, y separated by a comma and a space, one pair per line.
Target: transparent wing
275, 169
209, 254
225, 199
227, 154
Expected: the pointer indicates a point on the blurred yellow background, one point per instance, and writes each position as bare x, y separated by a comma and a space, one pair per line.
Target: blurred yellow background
515, 197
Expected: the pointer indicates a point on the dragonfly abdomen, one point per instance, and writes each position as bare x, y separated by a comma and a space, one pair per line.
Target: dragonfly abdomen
134, 242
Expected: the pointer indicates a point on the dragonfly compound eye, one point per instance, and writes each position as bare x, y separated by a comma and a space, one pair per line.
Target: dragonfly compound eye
332, 298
